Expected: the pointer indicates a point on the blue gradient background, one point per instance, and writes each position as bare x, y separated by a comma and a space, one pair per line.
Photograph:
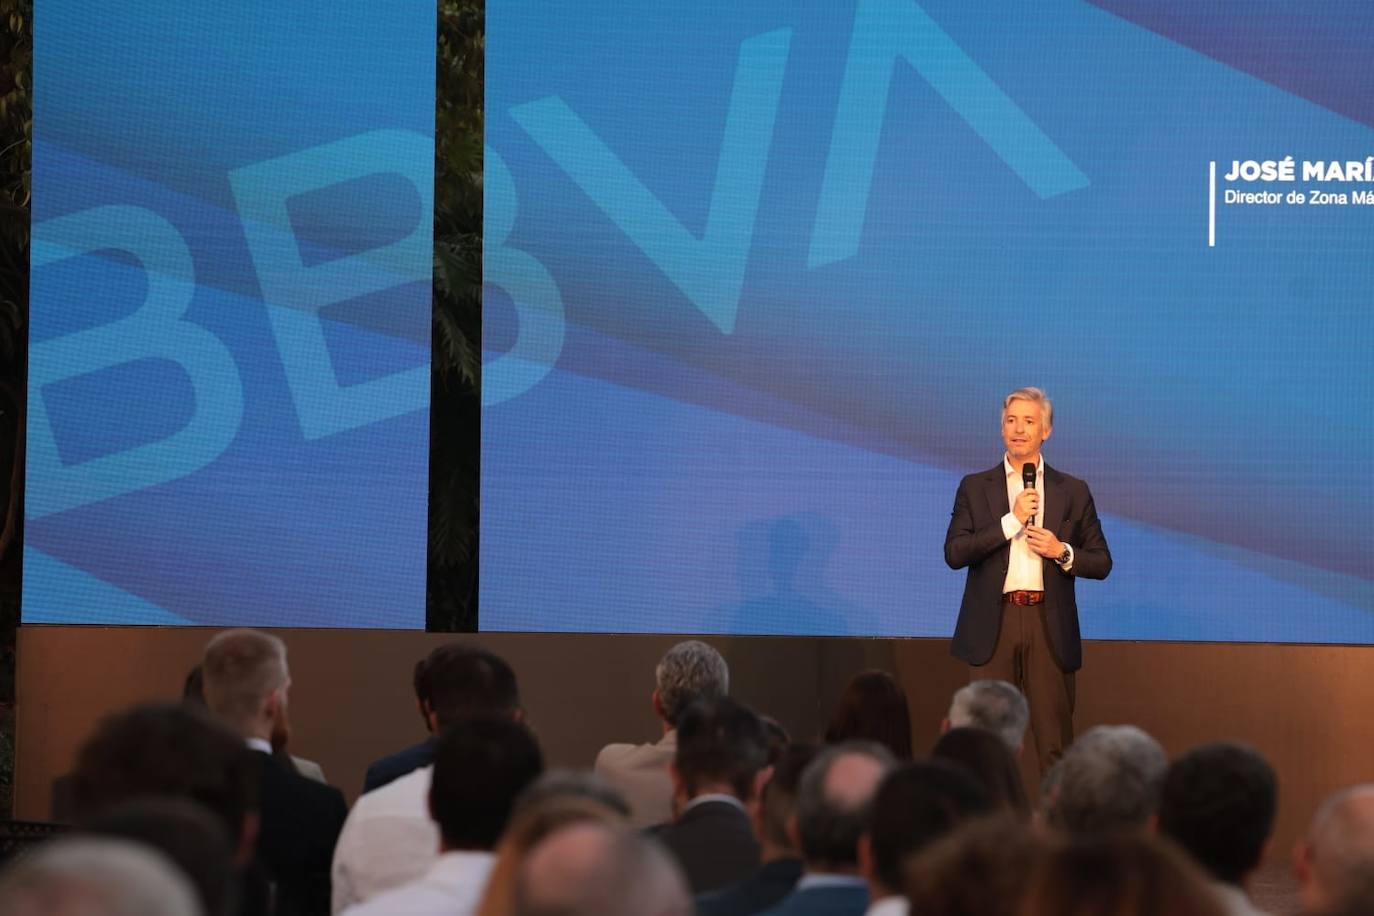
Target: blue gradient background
662, 453
297, 502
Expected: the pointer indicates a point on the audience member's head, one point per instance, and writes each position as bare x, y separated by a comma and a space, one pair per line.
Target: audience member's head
187, 834
1122, 874
463, 680
988, 758
993, 706
1108, 780
722, 746
556, 799
687, 672
169, 751
778, 739
834, 802
481, 765
90, 876
981, 869
1335, 861
1218, 802
578, 784
598, 869
419, 682
246, 680
778, 804
915, 805
873, 707
193, 688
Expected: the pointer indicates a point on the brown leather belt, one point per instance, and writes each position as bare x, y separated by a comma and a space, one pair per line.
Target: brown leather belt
1023, 597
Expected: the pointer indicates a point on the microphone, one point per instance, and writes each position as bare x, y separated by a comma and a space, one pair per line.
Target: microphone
1028, 481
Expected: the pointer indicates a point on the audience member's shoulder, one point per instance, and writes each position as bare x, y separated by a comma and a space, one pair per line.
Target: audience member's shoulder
398, 795
613, 754
281, 780
393, 766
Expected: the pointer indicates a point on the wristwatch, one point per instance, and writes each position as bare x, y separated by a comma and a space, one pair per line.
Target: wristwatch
1064, 557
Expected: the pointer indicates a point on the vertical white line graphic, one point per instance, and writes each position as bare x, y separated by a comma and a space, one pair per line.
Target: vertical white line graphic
1212, 205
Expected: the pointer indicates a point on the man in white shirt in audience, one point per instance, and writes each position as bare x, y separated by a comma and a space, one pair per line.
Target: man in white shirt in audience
690, 670
481, 766
389, 838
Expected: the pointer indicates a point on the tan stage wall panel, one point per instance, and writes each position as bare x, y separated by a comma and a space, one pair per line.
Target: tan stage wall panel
1305, 707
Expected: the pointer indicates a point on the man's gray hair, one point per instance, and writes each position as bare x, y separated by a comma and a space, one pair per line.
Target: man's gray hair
993, 706
1341, 843
96, 877
689, 671
830, 819
1035, 395
597, 869
240, 669
1110, 779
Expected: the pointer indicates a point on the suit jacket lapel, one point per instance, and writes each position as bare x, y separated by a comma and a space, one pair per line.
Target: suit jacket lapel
1053, 511
996, 486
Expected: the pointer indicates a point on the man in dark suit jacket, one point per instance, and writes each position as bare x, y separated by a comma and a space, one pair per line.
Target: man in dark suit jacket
834, 811
246, 682
394, 766
1024, 547
782, 863
722, 749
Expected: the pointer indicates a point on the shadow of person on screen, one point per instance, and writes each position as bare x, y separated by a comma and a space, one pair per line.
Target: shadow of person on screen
781, 566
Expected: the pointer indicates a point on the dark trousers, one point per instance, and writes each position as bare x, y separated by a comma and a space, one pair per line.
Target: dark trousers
1024, 658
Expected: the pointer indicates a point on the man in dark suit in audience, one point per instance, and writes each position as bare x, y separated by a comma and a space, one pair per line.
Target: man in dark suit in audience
246, 684
394, 766
915, 806
834, 804
722, 749
782, 862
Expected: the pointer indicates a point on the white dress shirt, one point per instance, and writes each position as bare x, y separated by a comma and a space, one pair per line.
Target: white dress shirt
1235, 900
388, 840
896, 905
452, 886
1025, 567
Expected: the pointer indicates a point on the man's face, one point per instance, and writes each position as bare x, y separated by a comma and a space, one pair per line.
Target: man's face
1023, 430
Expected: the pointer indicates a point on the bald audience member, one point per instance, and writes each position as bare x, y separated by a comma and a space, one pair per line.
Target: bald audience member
1335, 861
993, 706
1108, 780
687, 672
599, 869
246, 685
834, 807
85, 876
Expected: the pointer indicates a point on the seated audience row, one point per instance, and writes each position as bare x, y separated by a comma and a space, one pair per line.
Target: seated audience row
198, 808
